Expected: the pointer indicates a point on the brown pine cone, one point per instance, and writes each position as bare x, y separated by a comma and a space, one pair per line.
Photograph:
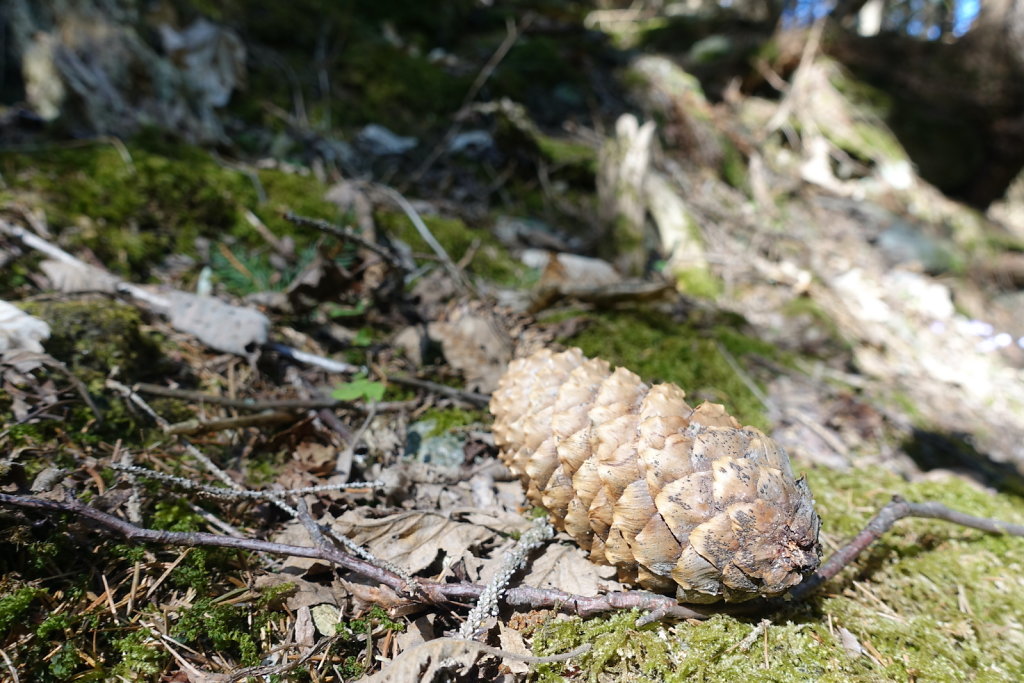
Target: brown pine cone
680, 499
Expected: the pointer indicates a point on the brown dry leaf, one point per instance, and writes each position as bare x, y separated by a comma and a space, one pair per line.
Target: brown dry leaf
475, 342
566, 567
426, 661
411, 540
512, 641
382, 596
416, 633
304, 631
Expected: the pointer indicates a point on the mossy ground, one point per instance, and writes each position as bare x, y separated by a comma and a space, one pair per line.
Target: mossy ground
132, 214
689, 354
930, 601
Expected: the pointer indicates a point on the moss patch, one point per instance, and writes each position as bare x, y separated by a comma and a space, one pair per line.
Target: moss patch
686, 354
94, 336
133, 213
930, 601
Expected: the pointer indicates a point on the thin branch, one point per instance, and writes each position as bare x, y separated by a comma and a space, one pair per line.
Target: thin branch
348, 235
296, 404
432, 592
895, 510
210, 466
471, 397
659, 606
328, 364
219, 424
414, 217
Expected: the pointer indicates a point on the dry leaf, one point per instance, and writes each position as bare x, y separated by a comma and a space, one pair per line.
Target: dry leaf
476, 343
512, 641
221, 326
411, 540
425, 662
326, 618
565, 567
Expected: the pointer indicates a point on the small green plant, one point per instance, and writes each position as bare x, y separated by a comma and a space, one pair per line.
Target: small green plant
360, 388
14, 605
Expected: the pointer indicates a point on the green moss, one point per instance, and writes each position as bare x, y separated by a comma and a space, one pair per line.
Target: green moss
14, 603
448, 419
139, 655
226, 628
698, 282
94, 336
403, 91
867, 137
686, 354
734, 166
567, 153
930, 601
131, 215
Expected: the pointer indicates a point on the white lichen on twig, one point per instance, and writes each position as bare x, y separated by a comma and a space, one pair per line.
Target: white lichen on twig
511, 561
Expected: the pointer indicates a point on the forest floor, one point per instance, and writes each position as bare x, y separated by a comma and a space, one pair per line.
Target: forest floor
321, 322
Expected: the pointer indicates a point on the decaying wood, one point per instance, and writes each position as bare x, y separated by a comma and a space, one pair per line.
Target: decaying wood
680, 499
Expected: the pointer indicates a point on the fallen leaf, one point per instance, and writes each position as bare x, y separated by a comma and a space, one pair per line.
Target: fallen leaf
221, 326
566, 567
412, 540
427, 661
512, 641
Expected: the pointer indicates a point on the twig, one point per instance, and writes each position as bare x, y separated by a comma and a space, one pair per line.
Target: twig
744, 377
414, 217
471, 397
266, 672
525, 596
233, 494
195, 425
349, 235
10, 666
895, 510
328, 364
210, 466
295, 404
432, 591
796, 89
409, 584
745, 644
487, 605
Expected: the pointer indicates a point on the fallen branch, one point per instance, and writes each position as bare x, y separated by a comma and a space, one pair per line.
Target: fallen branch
252, 404
432, 592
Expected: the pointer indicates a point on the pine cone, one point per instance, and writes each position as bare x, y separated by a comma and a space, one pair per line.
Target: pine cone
680, 499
